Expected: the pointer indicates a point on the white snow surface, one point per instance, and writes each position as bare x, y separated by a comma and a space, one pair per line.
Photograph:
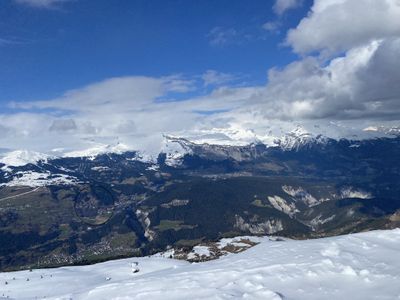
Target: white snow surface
236, 241
199, 251
351, 192
98, 149
175, 150
21, 158
145, 157
357, 266
36, 179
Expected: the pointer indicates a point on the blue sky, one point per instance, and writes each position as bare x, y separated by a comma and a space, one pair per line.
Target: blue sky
54, 49
79, 74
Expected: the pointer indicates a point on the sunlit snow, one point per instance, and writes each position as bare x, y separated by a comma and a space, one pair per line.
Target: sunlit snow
358, 266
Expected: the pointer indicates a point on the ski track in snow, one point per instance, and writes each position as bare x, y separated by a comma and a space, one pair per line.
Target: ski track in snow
358, 266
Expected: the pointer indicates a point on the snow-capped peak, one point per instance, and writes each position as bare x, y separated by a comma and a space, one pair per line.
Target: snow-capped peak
145, 157
98, 149
299, 131
20, 158
298, 138
175, 149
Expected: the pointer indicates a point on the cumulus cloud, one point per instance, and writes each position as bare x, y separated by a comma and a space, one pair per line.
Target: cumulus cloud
308, 90
334, 26
355, 72
379, 79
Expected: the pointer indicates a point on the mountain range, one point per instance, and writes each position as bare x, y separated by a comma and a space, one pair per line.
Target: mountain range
109, 202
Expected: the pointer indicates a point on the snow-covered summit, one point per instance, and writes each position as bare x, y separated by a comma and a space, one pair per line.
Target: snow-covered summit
299, 137
175, 149
98, 149
20, 158
40, 179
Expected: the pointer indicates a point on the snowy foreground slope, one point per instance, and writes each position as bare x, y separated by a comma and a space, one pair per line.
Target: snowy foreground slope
358, 266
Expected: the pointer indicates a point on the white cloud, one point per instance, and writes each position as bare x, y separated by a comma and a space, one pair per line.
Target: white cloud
338, 96
219, 36
309, 90
126, 108
62, 125
356, 74
282, 6
42, 3
121, 94
334, 26
272, 26
212, 77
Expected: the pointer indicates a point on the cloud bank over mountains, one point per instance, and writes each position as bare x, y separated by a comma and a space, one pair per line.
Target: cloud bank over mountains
345, 79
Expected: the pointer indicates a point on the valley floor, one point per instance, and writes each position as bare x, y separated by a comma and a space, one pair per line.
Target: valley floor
357, 266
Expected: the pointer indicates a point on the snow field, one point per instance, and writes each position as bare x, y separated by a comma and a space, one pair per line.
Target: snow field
357, 266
